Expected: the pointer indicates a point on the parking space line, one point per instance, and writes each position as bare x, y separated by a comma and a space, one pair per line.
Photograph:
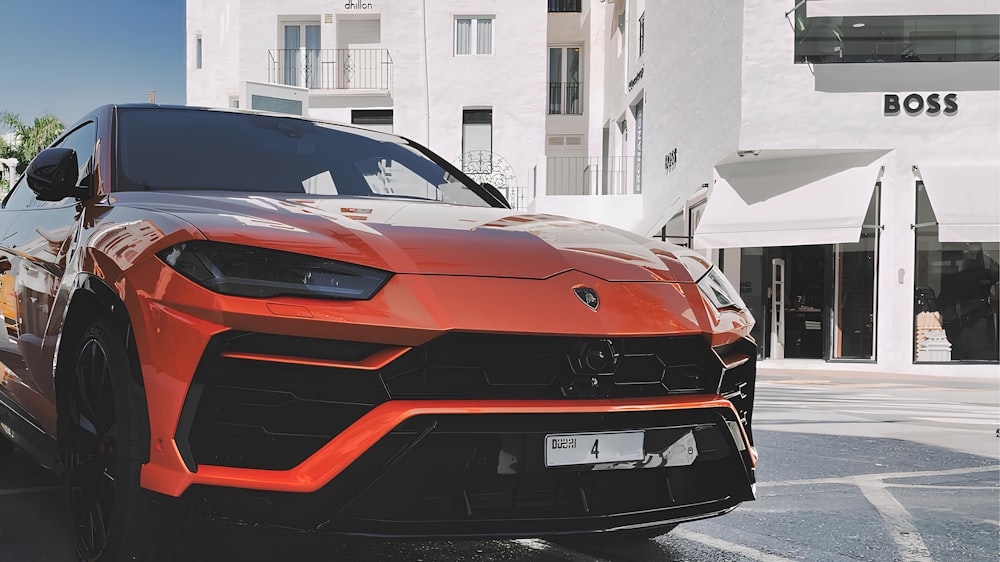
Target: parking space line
726, 546
909, 543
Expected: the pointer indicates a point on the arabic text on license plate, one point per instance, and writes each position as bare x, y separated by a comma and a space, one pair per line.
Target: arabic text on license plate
563, 449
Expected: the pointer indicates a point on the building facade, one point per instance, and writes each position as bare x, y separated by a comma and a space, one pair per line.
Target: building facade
466, 78
841, 161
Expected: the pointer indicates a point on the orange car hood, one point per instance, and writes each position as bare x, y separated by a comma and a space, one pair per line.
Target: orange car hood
421, 237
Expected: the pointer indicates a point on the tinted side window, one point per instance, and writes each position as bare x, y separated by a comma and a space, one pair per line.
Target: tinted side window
82, 140
20, 196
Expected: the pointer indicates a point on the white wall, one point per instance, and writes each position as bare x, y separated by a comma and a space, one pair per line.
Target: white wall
691, 74
428, 91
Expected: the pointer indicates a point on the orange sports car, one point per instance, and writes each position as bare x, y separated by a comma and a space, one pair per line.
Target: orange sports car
280, 321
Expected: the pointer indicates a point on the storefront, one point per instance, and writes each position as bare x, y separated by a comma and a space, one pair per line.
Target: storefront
801, 233
956, 270
805, 228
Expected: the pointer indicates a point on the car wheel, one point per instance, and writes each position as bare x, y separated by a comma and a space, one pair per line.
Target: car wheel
102, 447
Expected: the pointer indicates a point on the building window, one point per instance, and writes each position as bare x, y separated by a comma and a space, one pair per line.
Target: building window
376, 119
234, 102
564, 81
954, 294
197, 52
300, 62
855, 283
642, 33
477, 131
474, 35
565, 5
895, 38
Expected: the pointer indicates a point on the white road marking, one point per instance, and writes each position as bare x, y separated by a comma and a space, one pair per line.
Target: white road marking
909, 543
881, 476
958, 420
726, 546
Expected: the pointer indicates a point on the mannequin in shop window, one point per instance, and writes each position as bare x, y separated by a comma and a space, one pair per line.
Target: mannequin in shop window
968, 305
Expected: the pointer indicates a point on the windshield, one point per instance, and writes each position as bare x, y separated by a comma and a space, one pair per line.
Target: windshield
189, 149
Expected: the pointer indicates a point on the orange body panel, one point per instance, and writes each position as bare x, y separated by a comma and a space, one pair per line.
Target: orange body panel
344, 449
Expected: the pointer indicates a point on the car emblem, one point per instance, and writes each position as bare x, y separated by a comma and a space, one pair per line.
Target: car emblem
588, 296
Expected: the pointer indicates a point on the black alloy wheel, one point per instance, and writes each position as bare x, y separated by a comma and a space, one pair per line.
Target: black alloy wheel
104, 443
91, 462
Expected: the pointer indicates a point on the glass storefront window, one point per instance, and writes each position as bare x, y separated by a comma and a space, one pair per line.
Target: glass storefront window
880, 39
955, 295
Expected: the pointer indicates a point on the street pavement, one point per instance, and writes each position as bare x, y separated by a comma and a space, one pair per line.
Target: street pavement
853, 467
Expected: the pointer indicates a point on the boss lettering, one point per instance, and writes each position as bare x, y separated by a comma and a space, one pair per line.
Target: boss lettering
915, 104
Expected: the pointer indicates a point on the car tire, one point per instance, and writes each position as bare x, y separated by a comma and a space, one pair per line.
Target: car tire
104, 443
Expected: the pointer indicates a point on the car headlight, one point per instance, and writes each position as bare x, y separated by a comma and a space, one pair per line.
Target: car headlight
246, 271
712, 283
719, 291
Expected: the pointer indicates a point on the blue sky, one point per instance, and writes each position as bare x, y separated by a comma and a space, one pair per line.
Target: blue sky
67, 57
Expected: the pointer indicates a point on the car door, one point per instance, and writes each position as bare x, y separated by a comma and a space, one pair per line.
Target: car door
33, 249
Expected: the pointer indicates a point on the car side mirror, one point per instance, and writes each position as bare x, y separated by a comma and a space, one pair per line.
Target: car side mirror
52, 175
496, 193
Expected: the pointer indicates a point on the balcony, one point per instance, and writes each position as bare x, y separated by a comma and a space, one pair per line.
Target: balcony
331, 69
583, 175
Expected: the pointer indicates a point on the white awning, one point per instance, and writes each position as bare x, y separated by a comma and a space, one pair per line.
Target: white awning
789, 201
965, 199
861, 8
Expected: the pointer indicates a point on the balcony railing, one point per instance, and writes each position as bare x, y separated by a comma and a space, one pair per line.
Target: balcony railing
331, 69
564, 98
582, 175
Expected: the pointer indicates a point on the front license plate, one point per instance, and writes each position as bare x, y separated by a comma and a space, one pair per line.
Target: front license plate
563, 449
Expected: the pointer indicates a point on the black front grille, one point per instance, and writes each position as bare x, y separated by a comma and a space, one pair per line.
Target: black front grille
249, 407
485, 475
491, 366
252, 413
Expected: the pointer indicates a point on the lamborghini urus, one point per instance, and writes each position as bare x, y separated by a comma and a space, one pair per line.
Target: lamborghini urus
277, 321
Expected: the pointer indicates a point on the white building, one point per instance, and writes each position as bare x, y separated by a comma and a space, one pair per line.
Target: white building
839, 158
464, 77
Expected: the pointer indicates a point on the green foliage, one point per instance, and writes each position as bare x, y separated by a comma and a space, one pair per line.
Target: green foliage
28, 140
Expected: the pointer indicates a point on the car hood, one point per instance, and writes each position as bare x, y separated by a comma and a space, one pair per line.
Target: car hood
420, 237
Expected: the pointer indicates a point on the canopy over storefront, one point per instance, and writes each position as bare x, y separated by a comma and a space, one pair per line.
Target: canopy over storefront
869, 8
789, 198
965, 199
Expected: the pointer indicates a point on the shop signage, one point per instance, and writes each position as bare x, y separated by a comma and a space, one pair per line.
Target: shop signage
638, 147
358, 5
670, 161
635, 79
915, 104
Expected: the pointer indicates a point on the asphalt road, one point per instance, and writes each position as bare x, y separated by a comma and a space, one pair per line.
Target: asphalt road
852, 468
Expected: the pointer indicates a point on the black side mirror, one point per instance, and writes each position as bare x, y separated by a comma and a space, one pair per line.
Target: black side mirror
52, 175
496, 193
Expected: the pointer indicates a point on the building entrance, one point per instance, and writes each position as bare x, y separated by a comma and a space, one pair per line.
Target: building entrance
798, 299
786, 289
